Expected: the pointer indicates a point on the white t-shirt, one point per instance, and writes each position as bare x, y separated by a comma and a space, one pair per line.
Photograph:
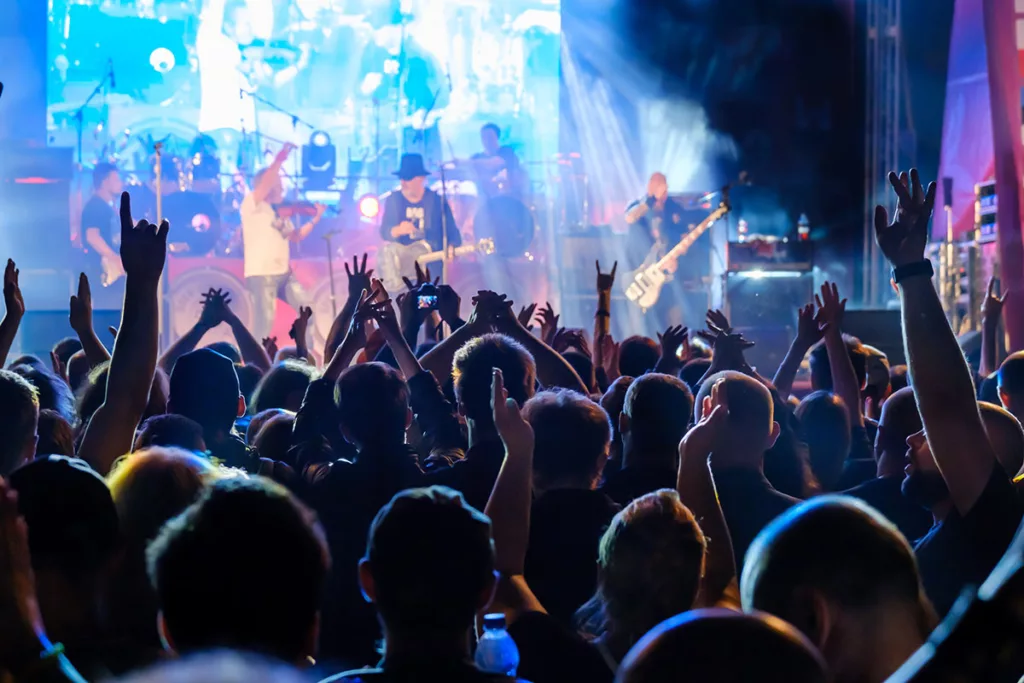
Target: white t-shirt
264, 238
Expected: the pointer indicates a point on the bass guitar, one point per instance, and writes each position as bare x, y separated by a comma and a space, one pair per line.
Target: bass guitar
643, 287
396, 260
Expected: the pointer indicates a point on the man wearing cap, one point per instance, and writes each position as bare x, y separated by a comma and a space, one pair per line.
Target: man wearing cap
413, 213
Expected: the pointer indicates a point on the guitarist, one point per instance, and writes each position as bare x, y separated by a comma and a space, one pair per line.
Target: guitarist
101, 236
656, 225
413, 213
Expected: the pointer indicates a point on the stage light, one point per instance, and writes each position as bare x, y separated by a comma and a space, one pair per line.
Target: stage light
369, 206
162, 60
319, 159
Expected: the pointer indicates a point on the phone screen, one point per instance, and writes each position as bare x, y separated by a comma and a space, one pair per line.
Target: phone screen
427, 301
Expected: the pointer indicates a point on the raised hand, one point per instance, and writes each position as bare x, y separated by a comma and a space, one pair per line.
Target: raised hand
300, 325
808, 329
570, 338
14, 302
491, 310
548, 323
358, 277
830, 308
270, 346
143, 246
422, 278
381, 310
717, 322
80, 315
215, 308
702, 439
606, 355
449, 305
525, 316
674, 337
515, 432
903, 239
605, 281
992, 307
60, 368
21, 622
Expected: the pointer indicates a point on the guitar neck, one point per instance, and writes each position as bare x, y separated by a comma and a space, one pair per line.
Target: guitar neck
438, 255
688, 239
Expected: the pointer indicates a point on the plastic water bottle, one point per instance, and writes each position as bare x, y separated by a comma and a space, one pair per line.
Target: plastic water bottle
496, 652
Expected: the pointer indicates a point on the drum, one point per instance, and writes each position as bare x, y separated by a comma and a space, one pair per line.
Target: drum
464, 200
186, 295
508, 222
195, 222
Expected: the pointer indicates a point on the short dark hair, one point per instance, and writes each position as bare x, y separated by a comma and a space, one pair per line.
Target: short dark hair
283, 386
899, 419
825, 428
373, 403
274, 439
493, 127
692, 372
66, 348
204, 387
19, 418
78, 370
836, 545
472, 371
1006, 436
583, 365
701, 646
249, 377
638, 355
226, 349
898, 377
571, 433
750, 401
101, 172
56, 437
821, 372
243, 568
658, 407
52, 392
1011, 374
431, 558
171, 430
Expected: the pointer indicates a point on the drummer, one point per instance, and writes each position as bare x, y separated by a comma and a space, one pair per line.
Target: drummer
497, 167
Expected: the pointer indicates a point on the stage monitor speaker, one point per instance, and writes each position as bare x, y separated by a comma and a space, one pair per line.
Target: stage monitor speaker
186, 294
767, 301
880, 328
578, 253
41, 329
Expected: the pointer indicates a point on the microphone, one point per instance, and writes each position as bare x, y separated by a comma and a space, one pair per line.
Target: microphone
110, 69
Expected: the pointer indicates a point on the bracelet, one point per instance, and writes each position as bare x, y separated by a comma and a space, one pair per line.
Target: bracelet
923, 267
50, 652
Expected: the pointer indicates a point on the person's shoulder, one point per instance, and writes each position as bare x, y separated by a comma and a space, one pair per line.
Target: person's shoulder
355, 676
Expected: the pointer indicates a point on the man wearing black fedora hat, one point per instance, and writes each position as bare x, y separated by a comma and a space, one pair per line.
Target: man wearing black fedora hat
413, 213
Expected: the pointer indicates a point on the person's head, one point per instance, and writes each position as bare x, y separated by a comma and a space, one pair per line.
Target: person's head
274, 438
52, 391
584, 367
172, 431
898, 420
654, 418
204, 387
414, 186
241, 568
657, 186
722, 646
56, 437
106, 181
473, 369
19, 421
821, 372
1011, 383
238, 22
226, 349
373, 405
1006, 436
490, 138
825, 428
73, 539
66, 348
429, 564
638, 355
752, 425
898, 378
276, 193
847, 578
693, 370
650, 563
260, 419
78, 370
249, 377
572, 435
283, 386
612, 402
923, 483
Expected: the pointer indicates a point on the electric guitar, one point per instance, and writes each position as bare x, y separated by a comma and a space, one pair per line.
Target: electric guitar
644, 285
395, 260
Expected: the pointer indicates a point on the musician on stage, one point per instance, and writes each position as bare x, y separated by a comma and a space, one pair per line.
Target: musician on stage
656, 225
413, 213
101, 237
266, 236
497, 167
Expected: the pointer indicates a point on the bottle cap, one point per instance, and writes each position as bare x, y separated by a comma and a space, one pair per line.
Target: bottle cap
495, 621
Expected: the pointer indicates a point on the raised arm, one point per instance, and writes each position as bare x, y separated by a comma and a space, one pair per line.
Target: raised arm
696, 489
552, 369
299, 333
80, 317
14, 311
939, 374
272, 174
808, 334
844, 377
211, 314
253, 352
112, 429
991, 312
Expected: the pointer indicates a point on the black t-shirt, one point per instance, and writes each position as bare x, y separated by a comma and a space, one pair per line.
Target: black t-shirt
961, 551
749, 504
98, 214
630, 483
885, 495
566, 526
669, 221
550, 652
425, 215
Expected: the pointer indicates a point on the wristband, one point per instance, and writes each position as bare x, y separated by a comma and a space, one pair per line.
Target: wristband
602, 314
923, 267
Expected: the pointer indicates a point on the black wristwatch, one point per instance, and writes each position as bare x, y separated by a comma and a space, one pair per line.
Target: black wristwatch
923, 267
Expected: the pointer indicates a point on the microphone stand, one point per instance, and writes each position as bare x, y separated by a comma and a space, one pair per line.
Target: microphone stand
330, 269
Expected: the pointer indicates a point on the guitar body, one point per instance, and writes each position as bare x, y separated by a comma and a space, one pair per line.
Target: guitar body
395, 260
644, 286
